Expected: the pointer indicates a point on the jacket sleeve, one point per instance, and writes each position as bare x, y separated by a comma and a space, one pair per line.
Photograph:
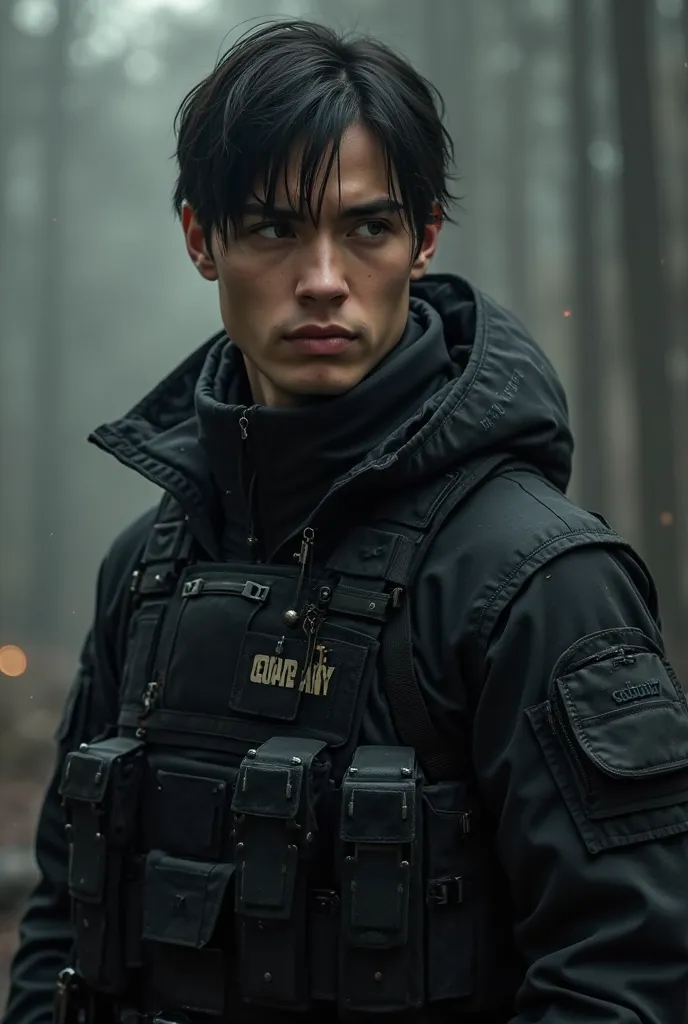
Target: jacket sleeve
580, 732
45, 941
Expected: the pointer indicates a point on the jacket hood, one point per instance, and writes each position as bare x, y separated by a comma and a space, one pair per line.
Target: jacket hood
501, 395
506, 396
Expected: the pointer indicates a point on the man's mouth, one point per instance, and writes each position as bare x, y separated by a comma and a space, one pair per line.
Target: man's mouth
314, 339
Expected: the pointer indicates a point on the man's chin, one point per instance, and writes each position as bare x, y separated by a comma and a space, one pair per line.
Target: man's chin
327, 384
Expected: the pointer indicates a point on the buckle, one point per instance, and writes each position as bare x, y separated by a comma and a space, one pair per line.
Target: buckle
192, 588
255, 591
150, 580
444, 892
325, 901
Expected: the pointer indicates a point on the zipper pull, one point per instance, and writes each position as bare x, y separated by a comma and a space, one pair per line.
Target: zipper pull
243, 425
304, 551
150, 696
624, 657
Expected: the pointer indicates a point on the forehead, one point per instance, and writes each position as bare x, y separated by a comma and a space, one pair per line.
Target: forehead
358, 174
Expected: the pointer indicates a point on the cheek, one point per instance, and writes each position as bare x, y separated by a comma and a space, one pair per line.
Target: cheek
393, 267
392, 284
245, 291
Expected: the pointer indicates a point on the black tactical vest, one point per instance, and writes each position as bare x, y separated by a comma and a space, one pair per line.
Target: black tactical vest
232, 843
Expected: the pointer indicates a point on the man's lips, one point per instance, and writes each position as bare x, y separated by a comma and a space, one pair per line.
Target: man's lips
321, 345
320, 339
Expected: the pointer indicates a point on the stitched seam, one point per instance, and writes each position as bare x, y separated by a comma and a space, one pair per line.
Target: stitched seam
587, 745
622, 838
143, 461
524, 561
541, 502
622, 712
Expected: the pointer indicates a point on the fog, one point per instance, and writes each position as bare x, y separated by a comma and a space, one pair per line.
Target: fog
569, 121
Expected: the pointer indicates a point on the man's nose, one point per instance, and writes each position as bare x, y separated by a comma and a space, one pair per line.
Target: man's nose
321, 273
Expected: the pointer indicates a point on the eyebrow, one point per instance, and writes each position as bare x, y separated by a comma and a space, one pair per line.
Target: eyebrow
373, 208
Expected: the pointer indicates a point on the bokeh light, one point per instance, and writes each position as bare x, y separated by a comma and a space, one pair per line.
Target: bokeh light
12, 660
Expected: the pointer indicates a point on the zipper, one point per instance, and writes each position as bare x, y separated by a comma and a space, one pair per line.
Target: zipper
619, 656
558, 722
248, 482
250, 590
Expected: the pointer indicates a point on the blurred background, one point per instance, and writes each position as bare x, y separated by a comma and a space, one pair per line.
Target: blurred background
570, 124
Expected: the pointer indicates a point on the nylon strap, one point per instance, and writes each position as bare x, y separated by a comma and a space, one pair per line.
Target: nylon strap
439, 755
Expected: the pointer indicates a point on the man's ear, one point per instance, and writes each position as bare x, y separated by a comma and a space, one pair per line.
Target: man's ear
196, 245
428, 247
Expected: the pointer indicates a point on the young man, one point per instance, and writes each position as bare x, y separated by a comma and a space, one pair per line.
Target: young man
372, 722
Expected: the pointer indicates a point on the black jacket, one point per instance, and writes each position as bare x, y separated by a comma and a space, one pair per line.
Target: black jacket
535, 636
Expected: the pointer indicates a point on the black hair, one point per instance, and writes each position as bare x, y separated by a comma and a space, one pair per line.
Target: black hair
296, 81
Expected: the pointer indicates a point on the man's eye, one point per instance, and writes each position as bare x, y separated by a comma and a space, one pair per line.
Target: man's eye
373, 228
272, 231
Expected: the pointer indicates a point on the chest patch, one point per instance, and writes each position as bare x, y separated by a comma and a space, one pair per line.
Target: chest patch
275, 670
288, 679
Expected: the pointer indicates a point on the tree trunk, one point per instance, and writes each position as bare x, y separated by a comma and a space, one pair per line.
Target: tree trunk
648, 319
50, 476
591, 440
6, 135
451, 60
516, 82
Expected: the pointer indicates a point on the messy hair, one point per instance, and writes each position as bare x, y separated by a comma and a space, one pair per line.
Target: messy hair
297, 83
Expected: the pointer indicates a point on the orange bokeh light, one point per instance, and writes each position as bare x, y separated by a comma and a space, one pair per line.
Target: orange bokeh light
12, 660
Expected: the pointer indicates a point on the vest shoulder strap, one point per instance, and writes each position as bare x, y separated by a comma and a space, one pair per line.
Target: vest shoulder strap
439, 754
169, 547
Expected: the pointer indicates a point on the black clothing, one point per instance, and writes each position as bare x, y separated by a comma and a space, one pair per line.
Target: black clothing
536, 647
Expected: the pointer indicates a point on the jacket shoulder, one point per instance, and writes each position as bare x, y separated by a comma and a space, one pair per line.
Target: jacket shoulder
522, 506
511, 526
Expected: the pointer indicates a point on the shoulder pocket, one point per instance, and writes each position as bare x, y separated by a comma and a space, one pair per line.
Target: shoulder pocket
614, 731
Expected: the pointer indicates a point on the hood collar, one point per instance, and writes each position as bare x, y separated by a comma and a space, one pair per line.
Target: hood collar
503, 396
275, 466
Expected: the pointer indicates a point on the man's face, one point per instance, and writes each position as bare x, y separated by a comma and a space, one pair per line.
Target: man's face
314, 307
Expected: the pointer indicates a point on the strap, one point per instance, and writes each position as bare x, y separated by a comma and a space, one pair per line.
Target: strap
439, 755
168, 548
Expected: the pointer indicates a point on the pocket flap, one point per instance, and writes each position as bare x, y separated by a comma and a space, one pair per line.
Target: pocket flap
88, 770
270, 791
384, 815
183, 899
628, 715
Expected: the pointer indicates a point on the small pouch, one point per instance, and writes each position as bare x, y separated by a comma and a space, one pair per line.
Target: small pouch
381, 955
100, 787
449, 892
614, 732
274, 805
185, 930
